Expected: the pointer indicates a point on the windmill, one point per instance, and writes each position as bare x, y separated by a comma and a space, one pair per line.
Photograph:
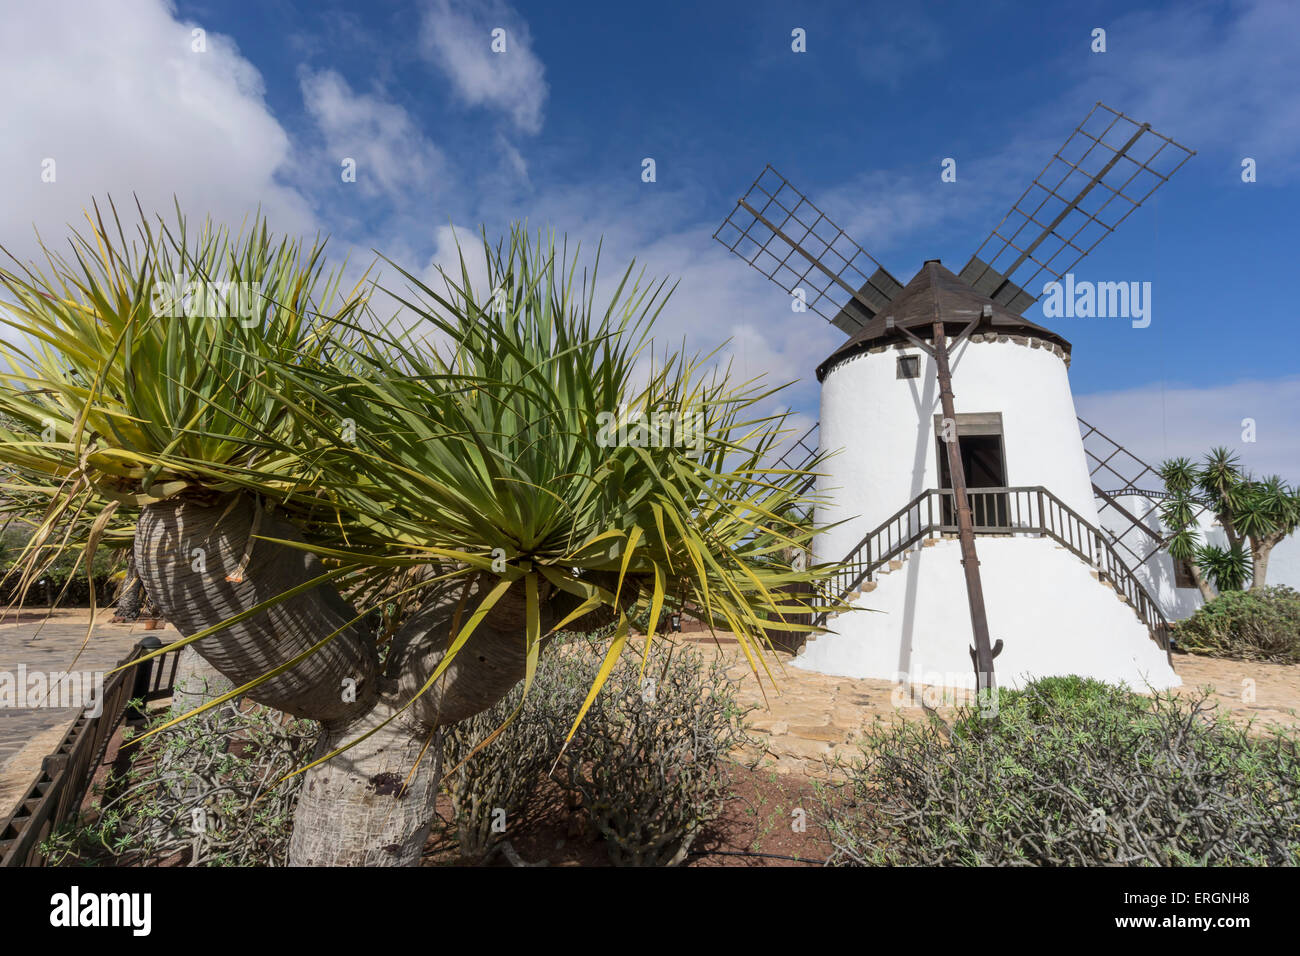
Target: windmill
1107, 167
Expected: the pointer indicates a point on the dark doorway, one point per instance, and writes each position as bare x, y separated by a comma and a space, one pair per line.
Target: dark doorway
984, 463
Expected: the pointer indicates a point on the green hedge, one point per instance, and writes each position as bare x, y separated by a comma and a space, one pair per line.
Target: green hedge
1259, 625
1070, 772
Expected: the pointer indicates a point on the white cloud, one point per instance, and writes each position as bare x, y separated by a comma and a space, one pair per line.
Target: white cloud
114, 94
1157, 422
393, 156
124, 106
718, 297
1220, 81
457, 37
513, 163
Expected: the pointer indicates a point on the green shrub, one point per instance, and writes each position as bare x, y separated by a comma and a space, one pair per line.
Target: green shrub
647, 766
650, 759
1070, 772
490, 789
202, 791
63, 580
1259, 625
1070, 699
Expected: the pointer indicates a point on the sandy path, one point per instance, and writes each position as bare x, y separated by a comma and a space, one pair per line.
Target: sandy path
810, 717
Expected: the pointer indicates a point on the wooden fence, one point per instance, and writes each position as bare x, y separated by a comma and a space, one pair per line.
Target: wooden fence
55, 796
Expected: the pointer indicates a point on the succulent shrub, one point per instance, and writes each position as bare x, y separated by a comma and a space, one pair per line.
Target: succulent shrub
1070, 772
1261, 625
650, 761
647, 766
207, 792
496, 760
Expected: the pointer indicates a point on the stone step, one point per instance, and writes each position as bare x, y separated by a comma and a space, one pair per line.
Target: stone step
893, 565
866, 587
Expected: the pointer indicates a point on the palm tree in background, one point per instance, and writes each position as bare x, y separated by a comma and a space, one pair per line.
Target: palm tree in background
1256, 515
1178, 516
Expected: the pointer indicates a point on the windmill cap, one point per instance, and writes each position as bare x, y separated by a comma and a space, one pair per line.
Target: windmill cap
957, 303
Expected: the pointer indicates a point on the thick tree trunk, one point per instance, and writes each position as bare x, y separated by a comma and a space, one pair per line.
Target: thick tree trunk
1259, 573
373, 804
354, 810
188, 554
483, 671
1229, 529
196, 682
1202, 585
130, 596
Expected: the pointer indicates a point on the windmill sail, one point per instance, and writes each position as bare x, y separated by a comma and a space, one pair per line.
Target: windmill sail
782, 234
1107, 168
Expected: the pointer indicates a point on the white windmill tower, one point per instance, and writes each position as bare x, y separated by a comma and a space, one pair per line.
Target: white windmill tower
964, 501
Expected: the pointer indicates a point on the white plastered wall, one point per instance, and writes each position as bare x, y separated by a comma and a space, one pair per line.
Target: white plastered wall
1053, 617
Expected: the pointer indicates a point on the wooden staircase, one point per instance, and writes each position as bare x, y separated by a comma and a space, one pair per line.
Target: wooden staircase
1024, 511
884, 549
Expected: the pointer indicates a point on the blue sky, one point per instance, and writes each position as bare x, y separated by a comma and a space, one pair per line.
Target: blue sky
556, 128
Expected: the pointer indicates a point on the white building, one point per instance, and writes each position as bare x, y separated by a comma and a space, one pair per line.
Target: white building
1056, 594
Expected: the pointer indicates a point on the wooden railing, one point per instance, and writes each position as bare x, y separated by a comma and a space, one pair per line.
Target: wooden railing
1029, 511
55, 796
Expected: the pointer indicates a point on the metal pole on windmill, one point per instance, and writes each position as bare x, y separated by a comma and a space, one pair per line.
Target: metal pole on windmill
984, 678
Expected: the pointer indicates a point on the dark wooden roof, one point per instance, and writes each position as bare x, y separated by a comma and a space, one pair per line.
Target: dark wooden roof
936, 290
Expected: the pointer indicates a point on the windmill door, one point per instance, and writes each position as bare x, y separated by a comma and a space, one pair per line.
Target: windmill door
983, 459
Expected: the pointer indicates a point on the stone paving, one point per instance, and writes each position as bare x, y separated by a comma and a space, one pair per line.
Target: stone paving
810, 717
50, 644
